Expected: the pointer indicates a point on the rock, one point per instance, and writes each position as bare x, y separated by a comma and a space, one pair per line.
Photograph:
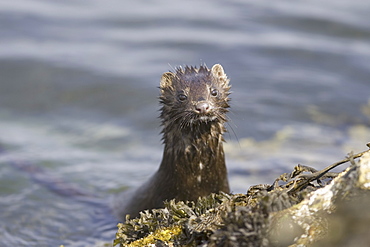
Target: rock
309, 208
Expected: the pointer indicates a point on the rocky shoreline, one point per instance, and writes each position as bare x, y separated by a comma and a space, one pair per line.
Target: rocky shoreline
303, 208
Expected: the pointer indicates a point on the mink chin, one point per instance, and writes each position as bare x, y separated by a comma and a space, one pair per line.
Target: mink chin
194, 102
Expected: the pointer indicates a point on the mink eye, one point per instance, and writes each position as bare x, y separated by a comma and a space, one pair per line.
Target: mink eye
182, 97
214, 92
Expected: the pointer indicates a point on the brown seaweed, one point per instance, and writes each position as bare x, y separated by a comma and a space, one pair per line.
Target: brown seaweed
294, 210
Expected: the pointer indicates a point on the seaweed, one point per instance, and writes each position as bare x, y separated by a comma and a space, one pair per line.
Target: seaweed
293, 210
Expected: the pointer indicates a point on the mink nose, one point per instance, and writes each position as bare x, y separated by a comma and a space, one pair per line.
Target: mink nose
202, 107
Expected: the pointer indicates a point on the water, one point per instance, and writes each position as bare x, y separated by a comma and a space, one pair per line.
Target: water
78, 97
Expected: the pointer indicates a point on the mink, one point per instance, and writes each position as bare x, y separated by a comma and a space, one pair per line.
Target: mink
194, 102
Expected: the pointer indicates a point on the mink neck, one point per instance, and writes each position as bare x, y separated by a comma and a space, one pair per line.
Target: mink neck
196, 149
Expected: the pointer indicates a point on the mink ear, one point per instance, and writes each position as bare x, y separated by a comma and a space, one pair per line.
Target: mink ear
218, 72
166, 80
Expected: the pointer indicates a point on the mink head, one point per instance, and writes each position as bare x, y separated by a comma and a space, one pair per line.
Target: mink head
192, 96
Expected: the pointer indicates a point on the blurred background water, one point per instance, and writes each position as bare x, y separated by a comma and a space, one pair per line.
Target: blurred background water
78, 96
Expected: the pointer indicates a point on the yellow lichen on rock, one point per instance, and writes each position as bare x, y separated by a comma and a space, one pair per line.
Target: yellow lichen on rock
161, 235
